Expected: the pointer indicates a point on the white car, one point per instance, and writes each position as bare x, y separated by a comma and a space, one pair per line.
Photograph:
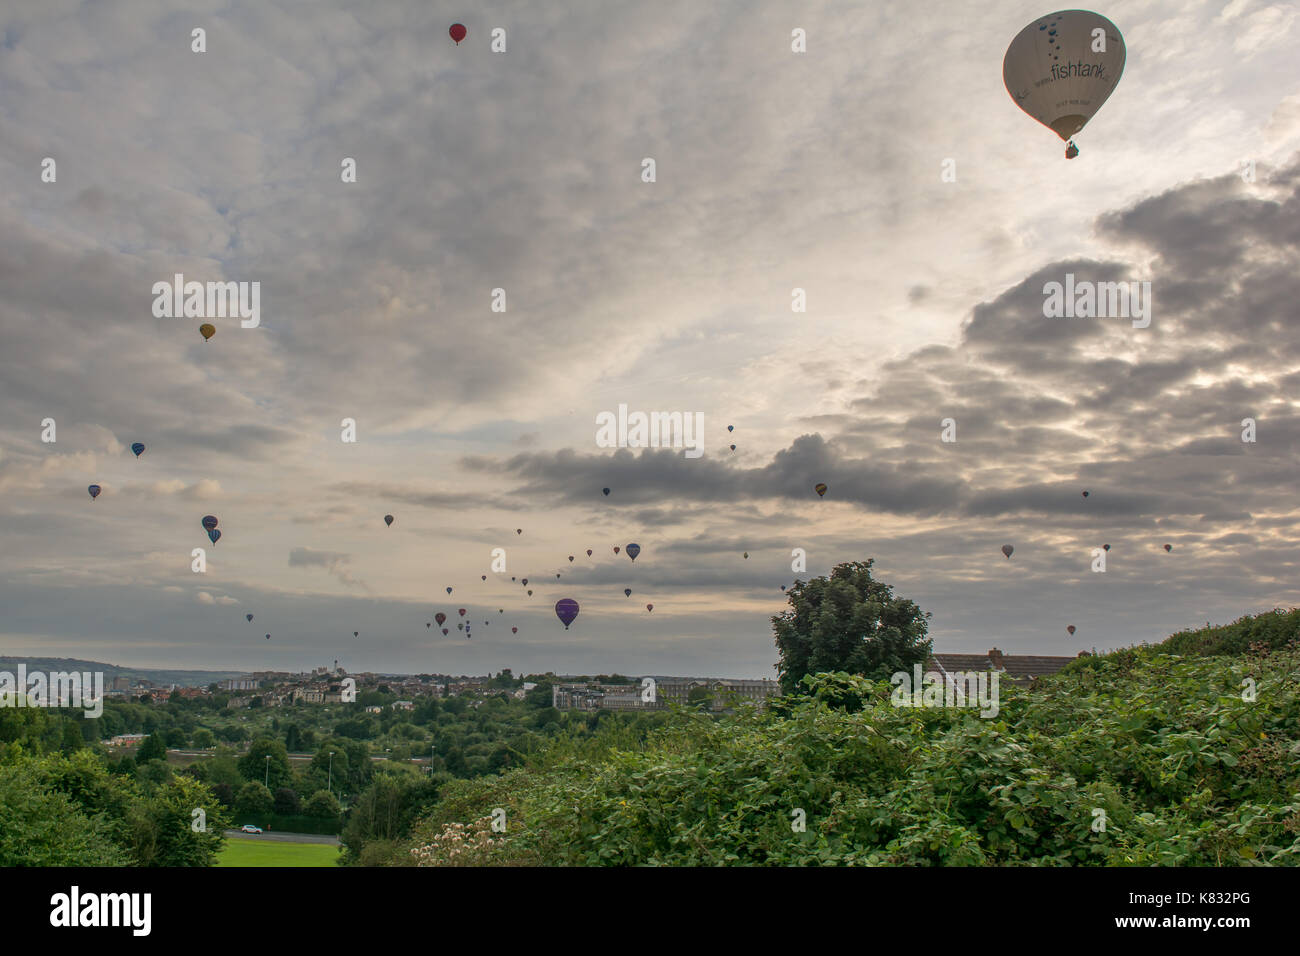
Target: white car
249, 828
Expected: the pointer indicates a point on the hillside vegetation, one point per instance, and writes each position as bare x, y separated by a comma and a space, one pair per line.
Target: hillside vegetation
1177, 758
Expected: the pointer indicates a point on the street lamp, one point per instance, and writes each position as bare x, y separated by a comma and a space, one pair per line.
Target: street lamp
266, 779
330, 784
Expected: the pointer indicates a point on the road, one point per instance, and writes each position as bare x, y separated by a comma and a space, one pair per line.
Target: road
284, 837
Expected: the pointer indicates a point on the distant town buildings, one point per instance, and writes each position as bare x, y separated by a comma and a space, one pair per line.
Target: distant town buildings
720, 692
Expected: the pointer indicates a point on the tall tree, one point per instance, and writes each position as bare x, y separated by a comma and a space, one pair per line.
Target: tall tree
848, 622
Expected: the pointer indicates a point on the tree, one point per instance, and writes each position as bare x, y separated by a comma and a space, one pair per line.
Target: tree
254, 765
293, 739
286, 802
322, 804
163, 826
203, 739
254, 799
848, 622
151, 748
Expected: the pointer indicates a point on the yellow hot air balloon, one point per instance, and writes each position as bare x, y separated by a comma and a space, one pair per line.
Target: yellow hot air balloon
207, 330
1062, 67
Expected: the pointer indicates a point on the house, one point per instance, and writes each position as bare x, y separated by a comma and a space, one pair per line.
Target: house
1019, 669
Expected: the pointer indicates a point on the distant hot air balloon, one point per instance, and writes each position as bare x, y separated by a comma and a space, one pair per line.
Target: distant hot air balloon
249, 616
746, 555
268, 637
440, 617
821, 489
460, 627
444, 631
589, 552
214, 535
485, 577
557, 574
633, 550
356, 633
457, 32
207, 330
460, 611
514, 630
530, 593
605, 492
1007, 549
388, 520
512, 577
627, 592
501, 610
138, 448
1055, 72
210, 522
1070, 628
616, 549
448, 590
570, 559
783, 587
649, 607
1105, 547
94, 491
733, 447
428, 624
1169, 547
1085, 494
519, 530
566, 609
731, 428
525, 581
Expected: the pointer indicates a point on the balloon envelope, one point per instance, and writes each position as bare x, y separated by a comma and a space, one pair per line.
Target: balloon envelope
605, 491
457, 32
138, 448
210, 522
448, 590
268, 637
570, 559
249, 616
627, 592
440, 617
514, 630
94, 491
1054, 74
460, 611
444, 630
1070, 628
1169, 547
731, 428
633, 550
566, 609
1007, 549
820, 489
207, 330
213, 535
589, 552
388, 520
616, 549
649, 607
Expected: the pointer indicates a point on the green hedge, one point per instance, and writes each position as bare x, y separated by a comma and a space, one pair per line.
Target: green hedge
278, 823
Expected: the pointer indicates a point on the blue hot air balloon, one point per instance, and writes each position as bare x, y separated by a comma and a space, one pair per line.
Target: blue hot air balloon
210, 522
566, 609
138, 448
213, 535
94, 491
627, 592
448, 590
633, 550
605, 491
250, 617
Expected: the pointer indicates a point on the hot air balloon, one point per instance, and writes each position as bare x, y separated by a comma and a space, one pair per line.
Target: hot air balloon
605, 492
444, 632
557, 574
485, 577
1055, 72
214, 535
519, 530
94, 491
207, 330
1085, 494
501, 610
1169, 547
457, 32
649, 607
1105, 547
821, 489
746, 555
514, 630
566, 609
448, 590
388, 520
733, 447
440, 617
138, 448
627, 592
460, 611
530, 593
250, 617
428, 624
525, 581
616, 549
1007, 549
356, 633
783, 587
460, 627
1070, 628
512, 577
268, 637
589, 552
731, 428
570, 559
633, 550
210, 522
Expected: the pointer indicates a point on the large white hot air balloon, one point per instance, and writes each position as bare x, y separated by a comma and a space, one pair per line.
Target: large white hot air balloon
1062, 67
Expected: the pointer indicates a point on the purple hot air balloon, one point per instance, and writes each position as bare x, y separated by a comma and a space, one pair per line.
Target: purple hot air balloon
94, 491
566, 609
633, 550
214, 535
209, 522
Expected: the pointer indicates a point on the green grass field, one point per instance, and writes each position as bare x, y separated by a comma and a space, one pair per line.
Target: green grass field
239, 852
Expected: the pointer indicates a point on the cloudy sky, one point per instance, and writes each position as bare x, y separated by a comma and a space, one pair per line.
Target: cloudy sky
522, 171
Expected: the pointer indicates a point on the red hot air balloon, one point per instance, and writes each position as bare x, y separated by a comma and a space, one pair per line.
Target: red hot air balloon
457, 32
566, 609
1169, 547
460, 611
440, 617
1070, 628
444, 632
616, 549
1085, 494
514, 630
649, 607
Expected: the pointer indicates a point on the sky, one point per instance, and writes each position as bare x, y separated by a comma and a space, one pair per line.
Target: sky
522, 170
